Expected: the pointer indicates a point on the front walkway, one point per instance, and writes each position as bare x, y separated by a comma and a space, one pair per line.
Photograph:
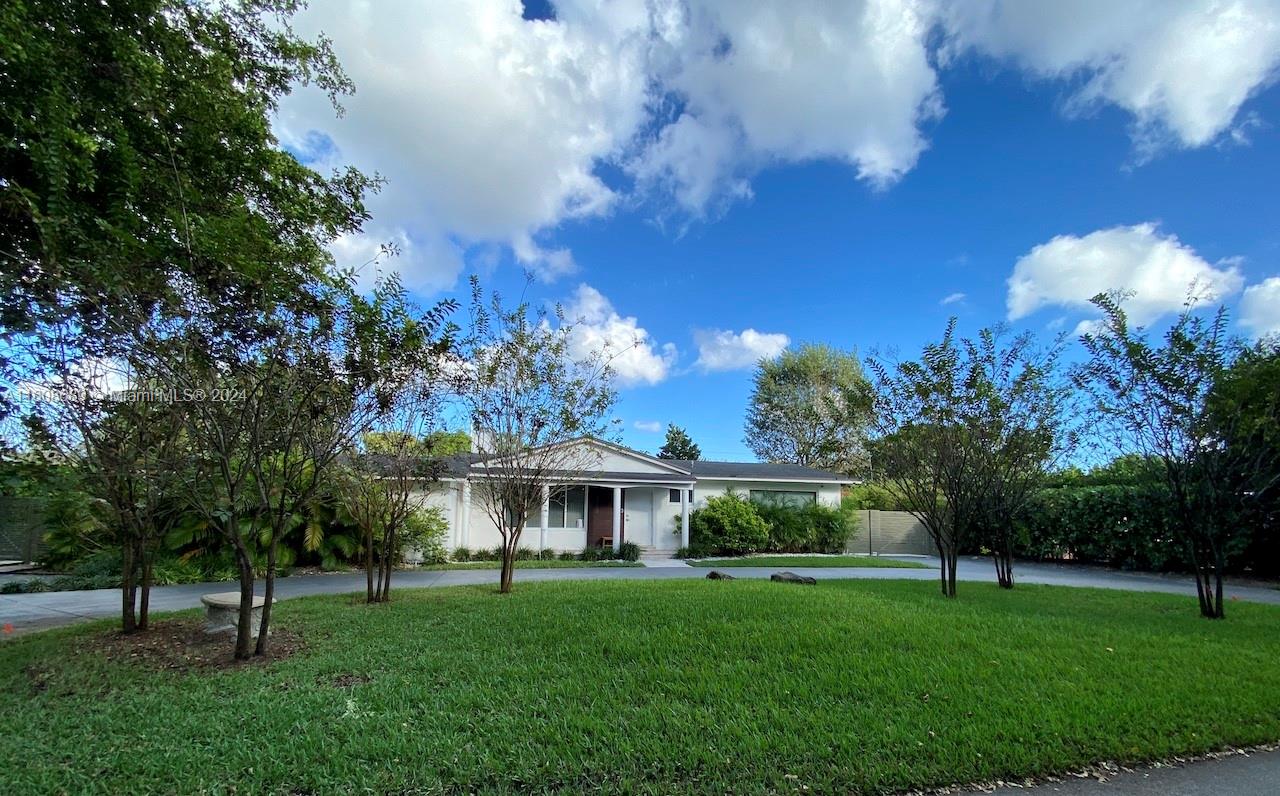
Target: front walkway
31, 611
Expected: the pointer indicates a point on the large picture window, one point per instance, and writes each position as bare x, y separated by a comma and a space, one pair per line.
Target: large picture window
673, 495
780, 497
568, 507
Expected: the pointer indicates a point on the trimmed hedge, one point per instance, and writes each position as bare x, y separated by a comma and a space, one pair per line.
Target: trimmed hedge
1122, 526
731, 525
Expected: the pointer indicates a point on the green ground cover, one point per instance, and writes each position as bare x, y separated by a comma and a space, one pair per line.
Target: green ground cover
654, 686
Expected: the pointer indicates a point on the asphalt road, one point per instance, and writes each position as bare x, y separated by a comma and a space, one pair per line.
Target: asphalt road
1255, 774
33, 611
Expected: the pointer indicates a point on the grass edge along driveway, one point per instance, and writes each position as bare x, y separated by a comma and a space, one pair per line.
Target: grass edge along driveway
794, 561
655, 686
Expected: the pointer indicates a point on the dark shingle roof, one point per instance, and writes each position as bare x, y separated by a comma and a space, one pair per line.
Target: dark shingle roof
761, 470
458, 465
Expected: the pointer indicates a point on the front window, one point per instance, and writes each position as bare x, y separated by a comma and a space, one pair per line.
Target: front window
567, 507
780, 497
673, 495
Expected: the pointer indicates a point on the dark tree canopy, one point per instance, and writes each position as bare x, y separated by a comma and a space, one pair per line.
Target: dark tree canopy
1195, 400
811, 406
679, 445
138, 168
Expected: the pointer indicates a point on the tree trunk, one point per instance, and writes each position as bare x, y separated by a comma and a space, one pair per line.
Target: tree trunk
951, 573
268, 594
388, 547
508, 565
144, 601
942, 559
371, 596
1002, 553
244, 637
128, 619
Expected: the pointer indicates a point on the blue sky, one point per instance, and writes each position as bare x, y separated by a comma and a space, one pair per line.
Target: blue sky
797, 231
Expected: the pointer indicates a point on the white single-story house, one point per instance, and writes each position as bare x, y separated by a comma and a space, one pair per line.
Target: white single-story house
623, 495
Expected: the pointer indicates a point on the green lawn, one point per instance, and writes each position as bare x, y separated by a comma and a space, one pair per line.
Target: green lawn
808, 561
552, 563
655, 686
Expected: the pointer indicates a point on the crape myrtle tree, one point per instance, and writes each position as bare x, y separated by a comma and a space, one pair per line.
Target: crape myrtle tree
1182, 401
139, 167
1019, 420
810, 406
269, 415
1244, 414
920, 445
966, 434
529, 393
124, 438
679, 445
381, 484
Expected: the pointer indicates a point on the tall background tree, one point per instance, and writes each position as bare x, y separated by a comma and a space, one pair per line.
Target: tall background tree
138, 168
811, 406
527, 399
679, 445
141, 189
1192, 402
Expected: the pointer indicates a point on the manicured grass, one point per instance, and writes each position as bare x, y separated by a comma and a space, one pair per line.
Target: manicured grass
655, 686
551, 563
808, 561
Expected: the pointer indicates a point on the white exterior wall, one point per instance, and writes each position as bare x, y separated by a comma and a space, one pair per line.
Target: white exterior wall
649, 523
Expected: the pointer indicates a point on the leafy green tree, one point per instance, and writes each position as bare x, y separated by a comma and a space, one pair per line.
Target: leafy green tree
448, 443
679, 445
527, 399
272, 414
965, 436
1243, 411
435, 443
138, 169
811, 406
1182, 402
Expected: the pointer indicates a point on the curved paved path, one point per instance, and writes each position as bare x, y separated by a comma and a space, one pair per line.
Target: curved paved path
32, 611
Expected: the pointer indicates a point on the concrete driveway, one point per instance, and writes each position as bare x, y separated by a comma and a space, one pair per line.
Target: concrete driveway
32, 611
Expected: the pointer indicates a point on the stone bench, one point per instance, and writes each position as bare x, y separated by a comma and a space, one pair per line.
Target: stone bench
222, 612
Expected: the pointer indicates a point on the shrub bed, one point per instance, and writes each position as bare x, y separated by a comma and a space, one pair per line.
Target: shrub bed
731, 525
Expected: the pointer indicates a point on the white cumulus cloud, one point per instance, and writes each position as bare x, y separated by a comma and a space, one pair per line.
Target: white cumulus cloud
719, 349
1158, 269
762, 83
494, 129
648, 426
1182, 68
487, 126
952, 298
1260, 308
598, 328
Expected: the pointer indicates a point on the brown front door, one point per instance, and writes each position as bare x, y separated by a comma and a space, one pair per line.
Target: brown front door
600, 515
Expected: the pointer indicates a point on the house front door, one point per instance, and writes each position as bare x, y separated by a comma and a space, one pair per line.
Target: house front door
600, 515
638, 502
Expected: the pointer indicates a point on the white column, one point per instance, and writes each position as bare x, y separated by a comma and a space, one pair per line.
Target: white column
684, 517
466, 514
546, 515
617, 518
